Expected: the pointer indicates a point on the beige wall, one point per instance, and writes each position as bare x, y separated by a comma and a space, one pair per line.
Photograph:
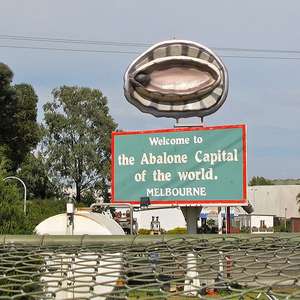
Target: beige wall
274, 199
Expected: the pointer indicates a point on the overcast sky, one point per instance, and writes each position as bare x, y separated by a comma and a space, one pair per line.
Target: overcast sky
264, 93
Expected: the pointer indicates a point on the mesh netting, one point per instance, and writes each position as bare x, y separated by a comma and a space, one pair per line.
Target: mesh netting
189, 267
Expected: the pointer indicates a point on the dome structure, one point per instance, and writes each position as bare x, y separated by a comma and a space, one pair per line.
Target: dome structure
84, 222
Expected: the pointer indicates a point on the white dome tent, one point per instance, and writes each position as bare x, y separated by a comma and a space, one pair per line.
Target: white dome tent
84, 222
76, 270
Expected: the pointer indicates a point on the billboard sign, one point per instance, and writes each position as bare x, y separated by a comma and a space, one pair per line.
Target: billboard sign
198, 165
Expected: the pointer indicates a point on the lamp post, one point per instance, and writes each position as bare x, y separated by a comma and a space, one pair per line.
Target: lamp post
285, 209
25, 190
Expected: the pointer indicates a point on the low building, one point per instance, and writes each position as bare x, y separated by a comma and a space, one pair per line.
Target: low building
169, 218
255, 223
282, 201
295, 224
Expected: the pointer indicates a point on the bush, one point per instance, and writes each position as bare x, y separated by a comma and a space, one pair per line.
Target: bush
11, 205
41, 209
144, 231
12, 219
245, 229
282, 225
177, 230
210, 222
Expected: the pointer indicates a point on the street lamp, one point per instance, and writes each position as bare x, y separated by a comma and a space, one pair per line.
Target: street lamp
25, 190
285, 209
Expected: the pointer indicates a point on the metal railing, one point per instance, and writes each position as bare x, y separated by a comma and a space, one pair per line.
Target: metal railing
150, 267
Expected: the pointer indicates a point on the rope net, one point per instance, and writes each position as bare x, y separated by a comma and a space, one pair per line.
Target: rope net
188, 267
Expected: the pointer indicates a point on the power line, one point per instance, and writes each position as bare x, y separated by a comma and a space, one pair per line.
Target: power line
132, 44
261, 57
282, 51
73, 41
70, 49
136, 52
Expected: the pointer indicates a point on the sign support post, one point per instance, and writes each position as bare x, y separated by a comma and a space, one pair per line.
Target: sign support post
220, 220
228, 221
191, 215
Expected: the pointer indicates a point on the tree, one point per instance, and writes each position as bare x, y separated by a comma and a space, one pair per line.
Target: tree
5, 163
11, 206
257, 180
28, 131
12, 219
34, 172
8, 104
18, 112
78, 135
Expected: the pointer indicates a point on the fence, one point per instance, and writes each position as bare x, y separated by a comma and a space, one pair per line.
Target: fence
150, 267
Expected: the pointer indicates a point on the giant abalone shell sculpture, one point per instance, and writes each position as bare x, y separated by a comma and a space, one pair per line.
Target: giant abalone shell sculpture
177, 79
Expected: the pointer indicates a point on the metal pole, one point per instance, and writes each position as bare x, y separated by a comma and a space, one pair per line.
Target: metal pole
220, 220
25, 190
285, 209
228, 221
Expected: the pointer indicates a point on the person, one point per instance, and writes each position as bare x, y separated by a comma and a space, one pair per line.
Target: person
152, 223
156, 225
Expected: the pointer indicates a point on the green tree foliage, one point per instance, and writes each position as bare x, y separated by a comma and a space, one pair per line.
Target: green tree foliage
257, 180
6, 76
34, 172
11, 205
8, 104
39, 210
177, 230
28, 132
18, 111
144, 231
286, 181
5, 163
78, 135
210, 222
12, 219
